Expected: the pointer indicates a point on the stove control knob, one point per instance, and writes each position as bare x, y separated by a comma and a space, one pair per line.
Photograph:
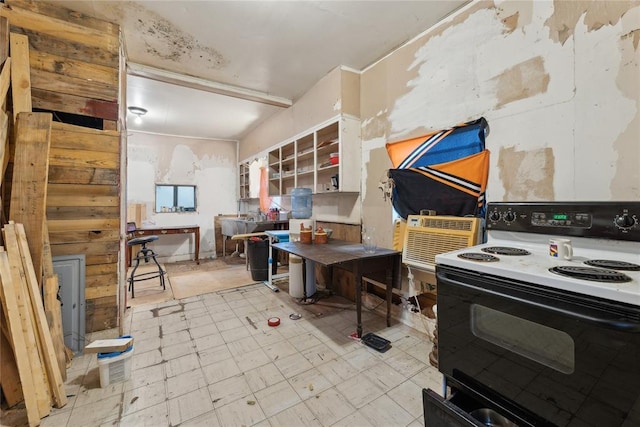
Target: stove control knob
625, 221
509, 216
494, 216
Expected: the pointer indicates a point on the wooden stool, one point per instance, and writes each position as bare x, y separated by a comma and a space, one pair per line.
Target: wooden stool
145, 254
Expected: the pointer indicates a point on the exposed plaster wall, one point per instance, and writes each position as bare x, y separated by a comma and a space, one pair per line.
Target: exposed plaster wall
558, 82
209, 165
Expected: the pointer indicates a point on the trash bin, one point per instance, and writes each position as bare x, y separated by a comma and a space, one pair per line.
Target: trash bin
258, 251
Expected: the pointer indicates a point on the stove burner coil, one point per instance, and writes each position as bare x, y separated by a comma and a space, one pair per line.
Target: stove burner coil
476, 256
591, 274
613, 265
506, 250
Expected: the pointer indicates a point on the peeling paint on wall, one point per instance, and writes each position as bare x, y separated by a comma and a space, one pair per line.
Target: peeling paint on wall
375, 167
375, 127
209, 165
527, 175
634, 36
521, 81
511, 22
596, 15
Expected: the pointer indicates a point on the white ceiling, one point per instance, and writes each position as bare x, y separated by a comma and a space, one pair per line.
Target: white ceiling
273, 51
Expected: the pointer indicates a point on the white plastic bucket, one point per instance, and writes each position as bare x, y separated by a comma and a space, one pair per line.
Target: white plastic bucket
115, 368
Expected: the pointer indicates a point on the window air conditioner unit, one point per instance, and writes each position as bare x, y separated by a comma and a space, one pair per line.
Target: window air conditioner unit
429, 235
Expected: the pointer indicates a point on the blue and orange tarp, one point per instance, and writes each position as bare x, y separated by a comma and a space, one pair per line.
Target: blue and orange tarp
445, 171
440, 146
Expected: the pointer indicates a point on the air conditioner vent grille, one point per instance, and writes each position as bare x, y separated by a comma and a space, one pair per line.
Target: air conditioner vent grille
447, 224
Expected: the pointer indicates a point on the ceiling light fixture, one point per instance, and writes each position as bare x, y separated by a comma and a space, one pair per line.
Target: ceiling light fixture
139, 112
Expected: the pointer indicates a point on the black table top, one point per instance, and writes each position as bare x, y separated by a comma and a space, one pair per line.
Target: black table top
333, 252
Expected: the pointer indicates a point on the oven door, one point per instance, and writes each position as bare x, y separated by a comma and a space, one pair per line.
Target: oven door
547, 356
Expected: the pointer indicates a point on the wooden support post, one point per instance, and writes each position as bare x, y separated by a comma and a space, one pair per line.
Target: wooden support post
42, 328
11, 306
4, 39
9, 375
40, 380
29, 185
52, 306
20, 75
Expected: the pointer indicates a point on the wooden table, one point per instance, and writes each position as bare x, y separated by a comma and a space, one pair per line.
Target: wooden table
352, 257
169, 229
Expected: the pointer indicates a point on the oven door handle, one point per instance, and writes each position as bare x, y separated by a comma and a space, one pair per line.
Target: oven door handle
608, 322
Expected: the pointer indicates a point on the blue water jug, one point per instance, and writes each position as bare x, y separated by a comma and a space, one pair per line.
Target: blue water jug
301, 203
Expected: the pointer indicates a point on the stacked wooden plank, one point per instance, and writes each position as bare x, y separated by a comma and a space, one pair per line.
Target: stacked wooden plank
75, 70
26, 329
33, 359
30, 142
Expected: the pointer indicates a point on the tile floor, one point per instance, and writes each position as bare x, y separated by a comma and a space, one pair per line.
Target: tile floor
212, 360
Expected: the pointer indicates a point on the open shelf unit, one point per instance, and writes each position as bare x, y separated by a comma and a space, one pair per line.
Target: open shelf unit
244, 181
305, 160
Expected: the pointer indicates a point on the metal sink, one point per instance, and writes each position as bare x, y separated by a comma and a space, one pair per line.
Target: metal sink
233, 226
229, 227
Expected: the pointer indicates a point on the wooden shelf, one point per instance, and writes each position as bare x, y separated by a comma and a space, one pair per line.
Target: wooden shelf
309, 153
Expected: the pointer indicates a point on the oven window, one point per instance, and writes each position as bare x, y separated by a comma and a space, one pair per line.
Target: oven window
545, 345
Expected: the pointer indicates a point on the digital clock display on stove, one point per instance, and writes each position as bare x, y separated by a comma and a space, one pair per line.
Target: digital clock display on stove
561, 219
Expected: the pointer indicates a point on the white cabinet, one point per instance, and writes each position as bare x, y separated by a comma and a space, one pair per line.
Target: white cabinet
243, 172
306, 161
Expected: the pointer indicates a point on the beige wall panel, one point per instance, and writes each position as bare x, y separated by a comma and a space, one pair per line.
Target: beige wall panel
275, 130
351, 93
322, 102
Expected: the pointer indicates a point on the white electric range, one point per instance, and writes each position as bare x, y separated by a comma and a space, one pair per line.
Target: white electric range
605, 237
536, 339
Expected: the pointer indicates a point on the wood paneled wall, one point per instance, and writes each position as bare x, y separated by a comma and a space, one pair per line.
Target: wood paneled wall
74, 62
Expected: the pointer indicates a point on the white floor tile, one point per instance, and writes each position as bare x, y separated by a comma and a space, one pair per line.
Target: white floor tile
185, 383
243, 411
297, 415
354, 420
210, 419
200, 362
181, 365
337, 370
329, 407
219, 371
293, 365
188, 406
97, 413
263, 376
409, 396
229, 390
359, 390
144, 397
157, 415
277, 398
309, 383
384, 412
